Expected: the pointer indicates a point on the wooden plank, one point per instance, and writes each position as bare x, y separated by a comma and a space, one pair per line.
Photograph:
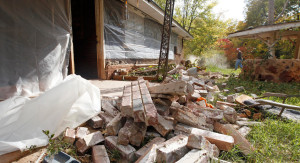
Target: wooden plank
268, 94
99, 16
71, 61
269, 102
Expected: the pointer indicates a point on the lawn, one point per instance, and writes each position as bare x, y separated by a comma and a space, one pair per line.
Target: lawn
276, 140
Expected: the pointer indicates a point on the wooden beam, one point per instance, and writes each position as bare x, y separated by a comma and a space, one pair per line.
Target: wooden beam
99, 15
262, 29
297, 50
71, 61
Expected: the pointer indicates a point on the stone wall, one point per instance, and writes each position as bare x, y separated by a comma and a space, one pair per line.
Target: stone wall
276, 70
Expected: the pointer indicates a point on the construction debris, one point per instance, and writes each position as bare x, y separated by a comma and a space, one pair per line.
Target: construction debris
169, 122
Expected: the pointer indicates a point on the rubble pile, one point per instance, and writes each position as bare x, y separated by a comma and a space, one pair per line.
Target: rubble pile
165, 122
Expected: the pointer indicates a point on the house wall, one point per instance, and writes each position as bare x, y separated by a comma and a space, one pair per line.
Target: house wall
132, 35
276, 70
34, 46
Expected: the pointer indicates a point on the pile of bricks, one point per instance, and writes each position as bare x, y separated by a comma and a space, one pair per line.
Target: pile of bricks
181, 126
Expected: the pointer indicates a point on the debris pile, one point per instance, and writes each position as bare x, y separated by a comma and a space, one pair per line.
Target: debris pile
168, 122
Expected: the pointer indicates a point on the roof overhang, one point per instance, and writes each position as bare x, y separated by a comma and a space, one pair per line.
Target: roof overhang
153, 10
282, 31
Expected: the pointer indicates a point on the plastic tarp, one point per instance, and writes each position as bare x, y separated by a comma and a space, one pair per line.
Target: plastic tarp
68, 104
34, 40
131, 34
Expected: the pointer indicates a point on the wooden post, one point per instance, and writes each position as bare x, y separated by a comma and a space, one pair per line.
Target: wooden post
297, 50
99, 15
71, 62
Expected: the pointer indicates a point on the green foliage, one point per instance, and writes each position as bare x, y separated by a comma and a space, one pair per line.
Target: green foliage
56, 145
257, 11
276, 141
114, 155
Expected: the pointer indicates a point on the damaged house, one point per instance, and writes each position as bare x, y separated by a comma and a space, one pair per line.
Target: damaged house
44, 41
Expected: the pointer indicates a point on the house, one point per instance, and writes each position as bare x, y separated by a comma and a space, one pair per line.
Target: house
43, 41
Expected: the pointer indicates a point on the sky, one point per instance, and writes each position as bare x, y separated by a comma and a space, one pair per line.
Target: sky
231, 9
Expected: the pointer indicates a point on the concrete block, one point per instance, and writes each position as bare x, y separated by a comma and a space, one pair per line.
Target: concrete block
99, 154
127, 152
173, 149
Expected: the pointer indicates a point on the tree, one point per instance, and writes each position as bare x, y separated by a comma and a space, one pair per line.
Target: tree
258, 11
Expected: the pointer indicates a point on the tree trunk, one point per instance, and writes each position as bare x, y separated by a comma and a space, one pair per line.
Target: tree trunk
271, 12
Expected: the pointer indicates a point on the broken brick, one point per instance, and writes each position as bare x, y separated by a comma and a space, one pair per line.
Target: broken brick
99, 154
126, 152
145, 148
239, 140
163, 126
195, 156
172, 149
96, 122
81, 132
223, 142
132, 133
200, 142
88, 141
69, 136
114, 125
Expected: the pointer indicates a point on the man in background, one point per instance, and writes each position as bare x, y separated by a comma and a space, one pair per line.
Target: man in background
239, 59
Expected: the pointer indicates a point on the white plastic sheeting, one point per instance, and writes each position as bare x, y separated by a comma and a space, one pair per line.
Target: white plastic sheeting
132, 35
69, 104
34, 40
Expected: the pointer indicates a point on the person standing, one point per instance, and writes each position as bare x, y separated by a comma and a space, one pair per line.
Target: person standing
239, 59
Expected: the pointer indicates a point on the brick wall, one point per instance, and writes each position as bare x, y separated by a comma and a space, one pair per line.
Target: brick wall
276, 70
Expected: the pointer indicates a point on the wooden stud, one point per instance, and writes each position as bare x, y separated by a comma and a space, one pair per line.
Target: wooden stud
99, 15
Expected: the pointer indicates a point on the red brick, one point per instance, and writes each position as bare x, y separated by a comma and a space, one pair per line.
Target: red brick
138, 110
239, 140
151, 114
223, 142
136, 95
147, 99
96, 122
69, 135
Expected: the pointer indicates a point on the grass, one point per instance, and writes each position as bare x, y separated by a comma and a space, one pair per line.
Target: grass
226, 71
274, 141
277, 140
260, 87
